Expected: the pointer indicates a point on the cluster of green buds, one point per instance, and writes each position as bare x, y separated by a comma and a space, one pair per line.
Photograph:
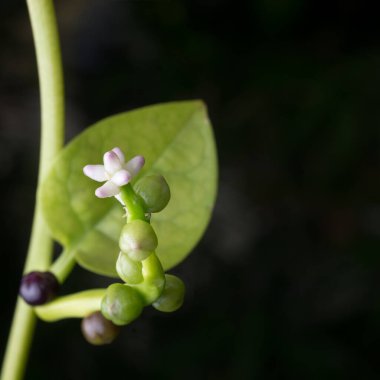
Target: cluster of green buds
144, 280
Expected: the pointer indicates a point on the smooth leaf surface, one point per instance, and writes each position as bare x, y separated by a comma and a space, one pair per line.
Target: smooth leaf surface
176, 140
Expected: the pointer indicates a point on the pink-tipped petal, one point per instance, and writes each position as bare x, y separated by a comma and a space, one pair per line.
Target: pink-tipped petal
135, 164
121, 178
111, 162
95, 172
109, 189
119, 153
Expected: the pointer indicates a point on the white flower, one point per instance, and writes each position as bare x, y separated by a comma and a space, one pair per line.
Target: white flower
115, 172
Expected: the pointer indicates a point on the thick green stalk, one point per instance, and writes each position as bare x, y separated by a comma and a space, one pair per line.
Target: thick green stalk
77, 305
49, 64
63, 266
133, 205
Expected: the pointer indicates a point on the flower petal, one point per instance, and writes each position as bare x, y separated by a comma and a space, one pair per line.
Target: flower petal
109, 189
95, 172
119, 153
111, 162
118, 197
135, 164
121, 178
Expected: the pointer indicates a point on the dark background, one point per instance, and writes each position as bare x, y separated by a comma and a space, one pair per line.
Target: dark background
285, 283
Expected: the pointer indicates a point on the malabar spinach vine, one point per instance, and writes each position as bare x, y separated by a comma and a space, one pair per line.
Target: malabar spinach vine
156, 207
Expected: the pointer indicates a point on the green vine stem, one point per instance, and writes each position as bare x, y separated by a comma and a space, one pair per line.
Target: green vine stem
45, 33
154, 280
133, 205
77, 305
63, 265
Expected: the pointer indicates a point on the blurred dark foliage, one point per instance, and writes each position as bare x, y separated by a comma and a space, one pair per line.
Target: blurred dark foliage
285, 283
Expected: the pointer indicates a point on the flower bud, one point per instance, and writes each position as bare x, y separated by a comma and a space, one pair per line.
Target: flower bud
121, 304
37, 288
172, 296
129, 270
97, 330
138, 240
154, 191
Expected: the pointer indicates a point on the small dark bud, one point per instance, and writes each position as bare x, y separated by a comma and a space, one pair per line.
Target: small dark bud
38, 288
97, 330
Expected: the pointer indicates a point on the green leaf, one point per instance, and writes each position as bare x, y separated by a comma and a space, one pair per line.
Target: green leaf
176, 140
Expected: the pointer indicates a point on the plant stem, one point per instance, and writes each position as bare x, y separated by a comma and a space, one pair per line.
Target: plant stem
133, 205
77, 305
154, 280
63, 265
49, 64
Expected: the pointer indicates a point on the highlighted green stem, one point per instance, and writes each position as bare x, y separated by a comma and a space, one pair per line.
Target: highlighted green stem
133, 204
63, 265
154, 280
46, 40
77, 305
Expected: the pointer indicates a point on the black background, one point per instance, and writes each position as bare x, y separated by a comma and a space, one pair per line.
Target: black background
285, 283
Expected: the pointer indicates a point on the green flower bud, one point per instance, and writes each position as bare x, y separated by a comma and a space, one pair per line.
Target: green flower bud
138, 240
138, 255
129, 270
121, 304
154, 191
97, 330
172, 297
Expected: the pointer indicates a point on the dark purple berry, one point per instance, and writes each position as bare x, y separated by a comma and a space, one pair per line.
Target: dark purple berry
97, 330
38, 288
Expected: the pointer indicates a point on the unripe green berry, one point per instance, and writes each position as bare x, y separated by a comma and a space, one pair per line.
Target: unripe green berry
138, 240
154, 191
172, 296
121, 304
97, 330
129, 270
